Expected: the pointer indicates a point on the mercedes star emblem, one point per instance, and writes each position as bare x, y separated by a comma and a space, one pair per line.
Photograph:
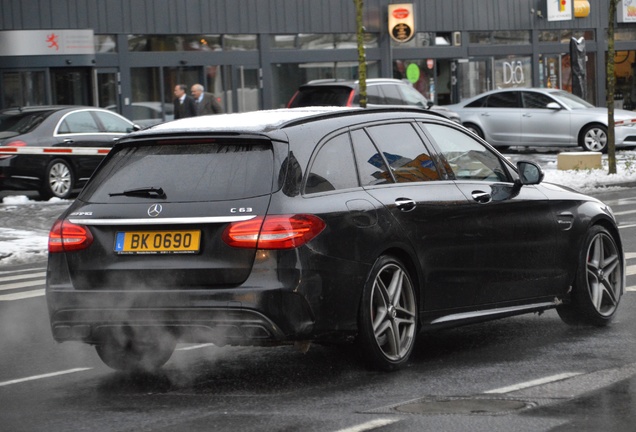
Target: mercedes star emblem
154, 210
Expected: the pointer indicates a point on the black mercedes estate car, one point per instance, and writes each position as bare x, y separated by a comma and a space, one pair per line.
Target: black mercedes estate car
325, 225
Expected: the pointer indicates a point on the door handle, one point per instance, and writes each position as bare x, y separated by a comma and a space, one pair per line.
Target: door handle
481, 197
68, 141
405, 204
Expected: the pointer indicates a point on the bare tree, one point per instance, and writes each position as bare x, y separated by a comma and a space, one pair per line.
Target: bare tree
362, 58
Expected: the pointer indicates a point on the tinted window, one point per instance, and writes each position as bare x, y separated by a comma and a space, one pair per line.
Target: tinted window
374, 95
371, 167
392, 95
14, 124
403, 149
412, 96
322, 96
333, 167
504, 100
187, 172
479, 103
536, 100
468, 158
78, 122
113, 123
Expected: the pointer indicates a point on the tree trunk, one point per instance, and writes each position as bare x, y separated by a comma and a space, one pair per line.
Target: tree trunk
362, 58
611, 87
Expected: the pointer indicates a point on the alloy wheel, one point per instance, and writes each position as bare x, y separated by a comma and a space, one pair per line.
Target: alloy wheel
393, 311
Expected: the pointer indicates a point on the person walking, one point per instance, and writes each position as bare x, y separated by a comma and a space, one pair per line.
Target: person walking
205, 102
184, 105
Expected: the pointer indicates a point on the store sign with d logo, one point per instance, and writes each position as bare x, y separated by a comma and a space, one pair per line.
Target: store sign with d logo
401, 22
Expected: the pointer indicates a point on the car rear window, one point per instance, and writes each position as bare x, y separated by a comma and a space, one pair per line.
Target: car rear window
210, 171
321, 96
21, 123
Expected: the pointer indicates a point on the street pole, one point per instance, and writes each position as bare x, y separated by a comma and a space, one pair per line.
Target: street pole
611, 85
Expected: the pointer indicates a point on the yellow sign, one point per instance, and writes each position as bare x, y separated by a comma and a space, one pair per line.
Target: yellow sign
401, 22
581, 8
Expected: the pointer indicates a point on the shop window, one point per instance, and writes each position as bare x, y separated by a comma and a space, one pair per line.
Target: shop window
105, 44
513, 72
23, 89
240, 42
500, 38
625, 34
311, 41
154, 43
564, 36
429, 39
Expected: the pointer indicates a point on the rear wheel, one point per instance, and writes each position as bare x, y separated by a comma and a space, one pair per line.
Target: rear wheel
133, 350
594, 138
388, 315
599, 281
58, 180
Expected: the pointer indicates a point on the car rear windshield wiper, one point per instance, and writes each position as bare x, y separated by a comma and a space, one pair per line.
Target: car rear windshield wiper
144, 192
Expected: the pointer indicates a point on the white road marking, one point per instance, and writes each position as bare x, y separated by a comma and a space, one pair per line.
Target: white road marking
373, 424
630, 255
626, 226
22, 276
193, 347
26, 284
22, 295
630, 270
624, 212
533, 383
21, 271
37, 377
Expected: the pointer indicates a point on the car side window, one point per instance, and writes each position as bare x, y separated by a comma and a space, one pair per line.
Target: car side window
536, 100
508, 99
392, 95
333, 168
403, 149
113, 123
372, 168
468, 158
374, 95
479, 103
78, 122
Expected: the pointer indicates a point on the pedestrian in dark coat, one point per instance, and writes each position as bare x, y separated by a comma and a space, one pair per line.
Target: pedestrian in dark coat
205, 102
184, 105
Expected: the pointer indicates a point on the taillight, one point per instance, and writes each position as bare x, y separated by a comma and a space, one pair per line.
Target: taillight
273, 232
350, 99
11, 144
67, 237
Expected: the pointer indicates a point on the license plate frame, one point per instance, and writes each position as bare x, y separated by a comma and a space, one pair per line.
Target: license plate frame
157, 242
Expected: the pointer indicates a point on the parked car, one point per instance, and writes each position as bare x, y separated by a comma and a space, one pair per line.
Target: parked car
380, 91
55, 174
146, 114
332, 226
543, 117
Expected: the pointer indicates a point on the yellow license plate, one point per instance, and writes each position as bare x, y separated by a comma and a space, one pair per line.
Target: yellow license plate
157, 242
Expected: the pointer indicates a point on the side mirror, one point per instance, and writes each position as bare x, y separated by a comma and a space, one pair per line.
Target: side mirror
529, 173
554, 106
429, 104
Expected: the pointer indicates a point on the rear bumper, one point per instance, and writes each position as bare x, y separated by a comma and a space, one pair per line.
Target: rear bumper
245, 318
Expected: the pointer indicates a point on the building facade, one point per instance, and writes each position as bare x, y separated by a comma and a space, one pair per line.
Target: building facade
252, 54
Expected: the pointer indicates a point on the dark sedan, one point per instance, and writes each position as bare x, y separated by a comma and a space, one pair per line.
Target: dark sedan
319, 225
55, 175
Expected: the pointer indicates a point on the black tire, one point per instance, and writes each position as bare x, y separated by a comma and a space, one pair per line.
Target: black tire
598, 285
388, 316
474, 129
59, 180
136, 350
594, 138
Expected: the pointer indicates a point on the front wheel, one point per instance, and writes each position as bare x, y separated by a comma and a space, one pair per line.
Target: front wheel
388, 315
599, 281
594, 138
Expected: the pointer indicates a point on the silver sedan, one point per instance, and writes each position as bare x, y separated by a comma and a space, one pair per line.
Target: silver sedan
543, 117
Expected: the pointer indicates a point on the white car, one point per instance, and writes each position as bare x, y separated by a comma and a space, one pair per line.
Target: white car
543, 117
